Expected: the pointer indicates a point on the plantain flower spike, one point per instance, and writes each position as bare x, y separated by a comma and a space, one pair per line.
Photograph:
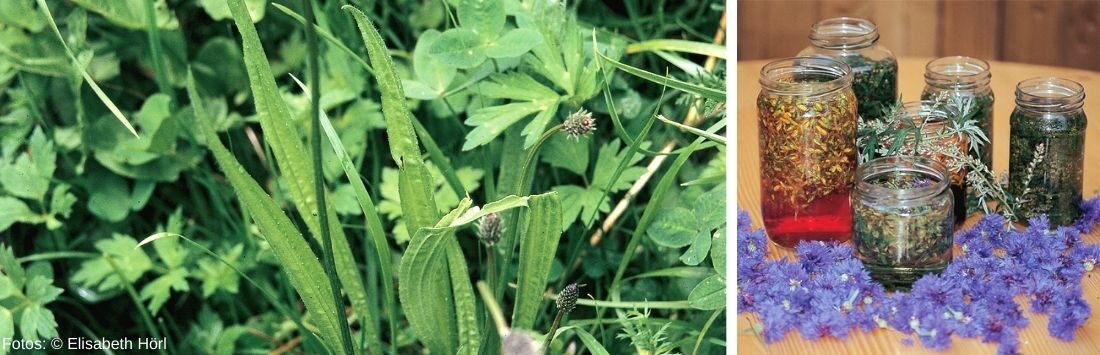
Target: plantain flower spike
579, 123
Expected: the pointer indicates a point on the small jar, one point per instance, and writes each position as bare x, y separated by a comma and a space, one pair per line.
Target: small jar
854, 41
934, 121
1046, 149
903, 218
807, 126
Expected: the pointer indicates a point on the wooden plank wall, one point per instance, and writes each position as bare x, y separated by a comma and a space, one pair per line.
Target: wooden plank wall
1051, 32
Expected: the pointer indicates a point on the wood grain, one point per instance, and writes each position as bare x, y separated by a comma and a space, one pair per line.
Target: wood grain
1051, 32
1034, 338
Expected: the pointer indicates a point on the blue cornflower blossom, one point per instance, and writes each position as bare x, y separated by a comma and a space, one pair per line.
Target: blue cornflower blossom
826, 291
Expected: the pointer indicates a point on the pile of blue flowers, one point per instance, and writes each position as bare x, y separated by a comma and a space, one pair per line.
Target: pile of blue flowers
827, 292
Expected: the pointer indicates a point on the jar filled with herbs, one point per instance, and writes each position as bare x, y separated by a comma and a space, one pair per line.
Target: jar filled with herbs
903, 217
933, 135
968, 80
1046, 149
807, 123
854, 41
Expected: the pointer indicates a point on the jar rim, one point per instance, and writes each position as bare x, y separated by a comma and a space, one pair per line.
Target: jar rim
844, 33
957, 72
926, 112
929, 168
1050, 94
788, 76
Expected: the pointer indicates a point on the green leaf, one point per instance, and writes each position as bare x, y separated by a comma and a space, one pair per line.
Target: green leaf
37, 322
483, 17
513, 43
710, 208
289, 246
110, 197
582, 203
13, 210
429, 70
219, 9
21, 13
158, 291
41, 291
718, 252
673, 228
469, 336
698, 250
590, 342
132, 263
565, 153
216, 275
29, 175
426, 295
537, 249
459, 47
678, 45
529, 97
131, 13
7, 327
710, 294
608, 161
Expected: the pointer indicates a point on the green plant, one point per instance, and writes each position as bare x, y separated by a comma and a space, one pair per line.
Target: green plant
270, 205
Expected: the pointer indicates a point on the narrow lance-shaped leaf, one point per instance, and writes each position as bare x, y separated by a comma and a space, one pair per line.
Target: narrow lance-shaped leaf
287, 243
415, 183
536, 254
290, 155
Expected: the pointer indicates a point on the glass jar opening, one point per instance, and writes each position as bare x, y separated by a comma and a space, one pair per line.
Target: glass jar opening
843, 33
957, 72
1050, 94
926, 113
805, 76
903, 180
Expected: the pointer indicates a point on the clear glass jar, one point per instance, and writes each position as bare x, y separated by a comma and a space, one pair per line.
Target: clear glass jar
1046, 149
854, 41
902, 212
968, 79
807, 122
934, 121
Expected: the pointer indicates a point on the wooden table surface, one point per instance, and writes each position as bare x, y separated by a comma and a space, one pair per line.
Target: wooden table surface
1034, 338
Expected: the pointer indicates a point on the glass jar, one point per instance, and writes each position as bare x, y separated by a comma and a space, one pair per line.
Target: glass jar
854, 41
1046, 149
903, 218
934, 121
965, 80
807, 122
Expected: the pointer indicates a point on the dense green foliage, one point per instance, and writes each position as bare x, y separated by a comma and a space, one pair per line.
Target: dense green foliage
189, 122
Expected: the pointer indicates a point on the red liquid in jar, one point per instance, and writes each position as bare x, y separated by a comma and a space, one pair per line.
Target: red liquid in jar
828, 218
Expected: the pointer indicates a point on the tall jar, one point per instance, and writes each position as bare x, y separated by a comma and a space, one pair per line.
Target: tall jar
903, 216
807, 122
934, 119
854, 41
966, 81
1046, 149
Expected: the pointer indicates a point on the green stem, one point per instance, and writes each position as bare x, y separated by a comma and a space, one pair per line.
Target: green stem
703, 332
319, 178
553, 329
148, 320
155, 50
630, 304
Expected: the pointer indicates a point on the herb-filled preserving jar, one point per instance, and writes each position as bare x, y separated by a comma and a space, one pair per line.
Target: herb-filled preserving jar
854, 41
941, 141
903, 218
966, 80
1046, 149
807, 113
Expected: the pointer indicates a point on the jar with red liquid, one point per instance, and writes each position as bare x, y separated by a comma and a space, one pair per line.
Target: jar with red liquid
807, 118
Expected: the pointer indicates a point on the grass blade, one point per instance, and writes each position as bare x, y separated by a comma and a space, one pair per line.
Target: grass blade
87, 77
711, 136
287, 243
713, 94
536, 253
678, 45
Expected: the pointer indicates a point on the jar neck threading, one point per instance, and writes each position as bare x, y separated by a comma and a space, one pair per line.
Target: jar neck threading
1049, 94
957, 73
843, 33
